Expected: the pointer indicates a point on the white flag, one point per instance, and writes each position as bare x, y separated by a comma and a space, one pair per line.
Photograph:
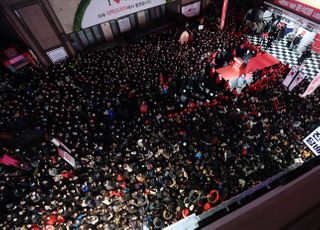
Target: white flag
294, 70
312, 86
58, 143
297, 80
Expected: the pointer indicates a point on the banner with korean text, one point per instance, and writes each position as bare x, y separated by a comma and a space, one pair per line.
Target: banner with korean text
93, 12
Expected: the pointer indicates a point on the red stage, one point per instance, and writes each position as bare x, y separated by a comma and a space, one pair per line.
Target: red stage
260, 61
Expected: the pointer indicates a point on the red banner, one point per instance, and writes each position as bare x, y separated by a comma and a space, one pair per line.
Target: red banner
223, 15
300, 8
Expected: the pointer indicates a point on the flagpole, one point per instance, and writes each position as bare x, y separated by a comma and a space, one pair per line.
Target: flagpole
223, 14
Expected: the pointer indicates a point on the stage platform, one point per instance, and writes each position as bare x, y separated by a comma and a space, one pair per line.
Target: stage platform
258, 62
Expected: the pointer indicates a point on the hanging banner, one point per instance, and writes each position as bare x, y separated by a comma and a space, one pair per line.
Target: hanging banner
93, 12
191, 10
313, 141
67, 157
299, 78
223, 14
312, 86
293, 72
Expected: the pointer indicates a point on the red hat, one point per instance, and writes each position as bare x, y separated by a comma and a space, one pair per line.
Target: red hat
185, 212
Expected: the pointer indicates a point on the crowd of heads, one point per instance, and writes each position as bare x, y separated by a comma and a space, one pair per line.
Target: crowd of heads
153, 137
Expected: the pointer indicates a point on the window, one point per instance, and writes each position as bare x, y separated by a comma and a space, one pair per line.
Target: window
97, 33
76, 42
133, 20
152, 13
114, 28
89, 36
147, 16
163, 10
83, 38
157, 12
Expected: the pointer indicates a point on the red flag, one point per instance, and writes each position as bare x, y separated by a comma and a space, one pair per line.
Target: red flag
7, 160
143, 108
223, 15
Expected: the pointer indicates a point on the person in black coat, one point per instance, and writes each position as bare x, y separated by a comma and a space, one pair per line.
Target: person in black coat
296, 41
306, 54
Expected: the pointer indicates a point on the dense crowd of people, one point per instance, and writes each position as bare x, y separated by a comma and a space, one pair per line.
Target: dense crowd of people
155, 133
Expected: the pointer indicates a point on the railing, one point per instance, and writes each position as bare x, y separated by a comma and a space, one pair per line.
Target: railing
280, 179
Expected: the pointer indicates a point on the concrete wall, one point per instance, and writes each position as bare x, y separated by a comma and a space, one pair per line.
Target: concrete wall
36, 21
65, 11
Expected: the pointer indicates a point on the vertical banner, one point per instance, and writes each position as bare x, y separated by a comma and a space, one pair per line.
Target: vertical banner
223, 15
312, 86
291, 75
297, 80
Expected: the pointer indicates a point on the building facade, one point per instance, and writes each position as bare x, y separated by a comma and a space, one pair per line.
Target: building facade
56, 29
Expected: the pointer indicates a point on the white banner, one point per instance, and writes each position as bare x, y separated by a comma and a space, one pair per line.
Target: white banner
312, 86
191, 10
99, 11
290, 75
297, 80
67, 157
313, 141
